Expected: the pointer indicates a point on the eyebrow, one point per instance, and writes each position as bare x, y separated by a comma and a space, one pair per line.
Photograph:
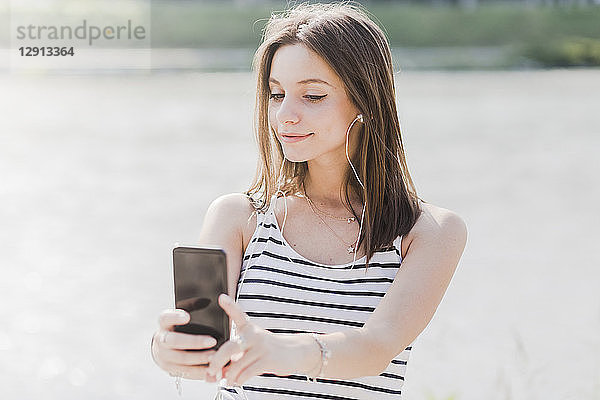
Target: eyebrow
304, 81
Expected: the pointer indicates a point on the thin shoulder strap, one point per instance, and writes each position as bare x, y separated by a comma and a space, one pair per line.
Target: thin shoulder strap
260, 218
398, 246
253, 246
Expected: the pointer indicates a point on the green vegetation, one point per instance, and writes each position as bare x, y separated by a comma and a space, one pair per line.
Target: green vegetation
486, 25
208, 25
566, 52
228, 25
549, 36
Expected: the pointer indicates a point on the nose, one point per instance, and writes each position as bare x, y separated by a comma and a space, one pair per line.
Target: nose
287, 112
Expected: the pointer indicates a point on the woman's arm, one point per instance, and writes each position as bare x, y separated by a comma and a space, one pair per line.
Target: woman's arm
436, 244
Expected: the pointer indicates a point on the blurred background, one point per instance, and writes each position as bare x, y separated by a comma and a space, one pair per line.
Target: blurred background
457, 34
105, 164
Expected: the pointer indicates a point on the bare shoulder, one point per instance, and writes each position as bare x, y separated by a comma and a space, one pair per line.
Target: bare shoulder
232, 213
439, 220
236, 204
440, 227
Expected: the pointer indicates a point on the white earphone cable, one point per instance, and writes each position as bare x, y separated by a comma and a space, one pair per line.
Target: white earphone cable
359, 117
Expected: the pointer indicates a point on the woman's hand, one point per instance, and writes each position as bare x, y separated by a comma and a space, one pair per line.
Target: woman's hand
255, 350
181, 354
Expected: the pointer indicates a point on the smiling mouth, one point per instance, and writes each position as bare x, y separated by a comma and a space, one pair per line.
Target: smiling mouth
292, 138
295, 135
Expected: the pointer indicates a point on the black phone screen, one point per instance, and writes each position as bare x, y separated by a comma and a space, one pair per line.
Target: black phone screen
200, 277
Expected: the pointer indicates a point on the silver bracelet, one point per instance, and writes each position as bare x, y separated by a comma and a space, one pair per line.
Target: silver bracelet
325, 354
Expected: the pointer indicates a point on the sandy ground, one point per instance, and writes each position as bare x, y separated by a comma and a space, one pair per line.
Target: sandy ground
100, 175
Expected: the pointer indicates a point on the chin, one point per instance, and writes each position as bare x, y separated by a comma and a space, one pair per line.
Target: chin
296, 158
293, 155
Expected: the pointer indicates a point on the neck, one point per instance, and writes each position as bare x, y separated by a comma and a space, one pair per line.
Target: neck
324, 182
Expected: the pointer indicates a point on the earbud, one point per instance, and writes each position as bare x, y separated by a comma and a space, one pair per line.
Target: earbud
360, 118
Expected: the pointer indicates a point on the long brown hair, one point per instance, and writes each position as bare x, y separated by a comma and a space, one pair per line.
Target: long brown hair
358, 51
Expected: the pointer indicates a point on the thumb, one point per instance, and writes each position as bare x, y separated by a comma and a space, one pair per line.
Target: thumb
233, 309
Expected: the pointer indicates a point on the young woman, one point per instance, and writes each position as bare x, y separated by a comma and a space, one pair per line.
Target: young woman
336, 264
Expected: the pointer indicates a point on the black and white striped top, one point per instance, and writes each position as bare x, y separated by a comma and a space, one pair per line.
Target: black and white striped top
304, 296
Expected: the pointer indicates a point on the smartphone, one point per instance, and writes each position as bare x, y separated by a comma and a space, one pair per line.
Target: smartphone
200, 276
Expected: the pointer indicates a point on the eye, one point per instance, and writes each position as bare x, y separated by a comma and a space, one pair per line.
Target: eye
314, 98
276, 96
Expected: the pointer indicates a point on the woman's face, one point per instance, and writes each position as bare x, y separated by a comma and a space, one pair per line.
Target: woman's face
308, 107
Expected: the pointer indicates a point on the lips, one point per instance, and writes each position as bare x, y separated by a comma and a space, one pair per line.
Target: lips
294, 137
292, 134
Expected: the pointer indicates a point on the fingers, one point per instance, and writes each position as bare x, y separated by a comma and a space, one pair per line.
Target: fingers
180, 353
234, 311
222, 357
185, 357
236, 373
182, 348
186, 341
251, 339
254, 369
174, 349
170, 318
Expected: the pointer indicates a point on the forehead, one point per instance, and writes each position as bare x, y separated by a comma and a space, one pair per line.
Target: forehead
295, 63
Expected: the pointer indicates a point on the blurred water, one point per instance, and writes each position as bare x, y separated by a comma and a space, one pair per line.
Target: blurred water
101, 175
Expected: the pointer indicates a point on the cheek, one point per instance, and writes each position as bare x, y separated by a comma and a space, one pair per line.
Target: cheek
332, 127
332, 116
272, 114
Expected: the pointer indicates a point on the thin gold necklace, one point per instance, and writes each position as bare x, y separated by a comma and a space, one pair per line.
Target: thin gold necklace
350, 247
314, 207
